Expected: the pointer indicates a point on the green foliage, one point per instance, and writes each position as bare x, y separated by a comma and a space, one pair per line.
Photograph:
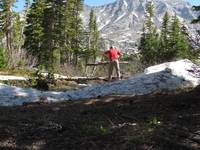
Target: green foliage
149, 41
178, 43
54, 31
149, 16
6, 27
2, 58
164, 48
97, 128
172, 43
34, 31
154, 121
93, 43
42, 82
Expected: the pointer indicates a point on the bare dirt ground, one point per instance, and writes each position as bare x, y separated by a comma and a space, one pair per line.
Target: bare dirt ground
155, 122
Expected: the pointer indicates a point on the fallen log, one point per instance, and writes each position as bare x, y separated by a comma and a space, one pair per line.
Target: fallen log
104, 63
82, 78
68, 78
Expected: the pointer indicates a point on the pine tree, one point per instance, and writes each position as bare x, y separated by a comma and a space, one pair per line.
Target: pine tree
18, 38
71, 31
77, 29
178, 43
54, 36
34, 31
93, 35
6, 26
67, 52
150, 12
149, 42
2, 58
164, 49
142, 44
54, 31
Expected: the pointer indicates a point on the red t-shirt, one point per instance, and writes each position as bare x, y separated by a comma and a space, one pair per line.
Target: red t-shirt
113, 54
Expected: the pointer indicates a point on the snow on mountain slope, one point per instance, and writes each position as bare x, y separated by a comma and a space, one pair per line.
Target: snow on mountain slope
124, 17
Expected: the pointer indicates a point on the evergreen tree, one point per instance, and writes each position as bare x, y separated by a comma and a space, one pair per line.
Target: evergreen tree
18, 38
150, 12
54, 31
52, 34
71, 31
149, 42
164, 49
142, 44
2, 58
6, 26
77, 29
171, 44
93, 35
178, 43
34, 31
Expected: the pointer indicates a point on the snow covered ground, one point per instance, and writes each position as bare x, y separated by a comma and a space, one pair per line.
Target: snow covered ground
161, 78
6, 77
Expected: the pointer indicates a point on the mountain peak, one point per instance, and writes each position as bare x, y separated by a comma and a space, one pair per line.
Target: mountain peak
120, 22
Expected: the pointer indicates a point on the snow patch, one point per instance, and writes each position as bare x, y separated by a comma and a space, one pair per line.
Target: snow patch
183, 68
160, 78
120, 17
134, 14
125, 3
6, 77
105, 24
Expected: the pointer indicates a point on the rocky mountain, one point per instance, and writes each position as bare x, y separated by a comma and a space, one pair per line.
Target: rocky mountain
120, 23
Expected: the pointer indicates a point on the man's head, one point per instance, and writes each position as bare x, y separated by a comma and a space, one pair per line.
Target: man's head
111, 47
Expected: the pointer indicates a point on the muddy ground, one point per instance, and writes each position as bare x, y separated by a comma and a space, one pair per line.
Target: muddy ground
154, 122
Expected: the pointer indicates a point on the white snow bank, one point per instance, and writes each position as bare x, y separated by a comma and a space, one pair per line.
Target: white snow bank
183, 68
6, 77
165, 77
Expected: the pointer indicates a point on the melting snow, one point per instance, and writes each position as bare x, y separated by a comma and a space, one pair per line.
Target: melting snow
125, 3
120, 17
106, 23
6, 77
135, 15
161, 78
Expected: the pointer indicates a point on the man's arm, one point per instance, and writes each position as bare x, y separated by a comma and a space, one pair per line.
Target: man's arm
119, 53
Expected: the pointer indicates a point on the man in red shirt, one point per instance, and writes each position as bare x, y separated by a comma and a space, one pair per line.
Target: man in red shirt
113, 54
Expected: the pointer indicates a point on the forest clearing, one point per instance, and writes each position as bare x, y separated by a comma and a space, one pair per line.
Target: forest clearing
121, 76
149, 119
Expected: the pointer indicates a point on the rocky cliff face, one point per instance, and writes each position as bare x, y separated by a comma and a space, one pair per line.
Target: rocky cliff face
121, 22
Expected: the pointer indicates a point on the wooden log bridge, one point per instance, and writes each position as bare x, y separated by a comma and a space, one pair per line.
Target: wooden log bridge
82, 78
94, 65
105, 62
